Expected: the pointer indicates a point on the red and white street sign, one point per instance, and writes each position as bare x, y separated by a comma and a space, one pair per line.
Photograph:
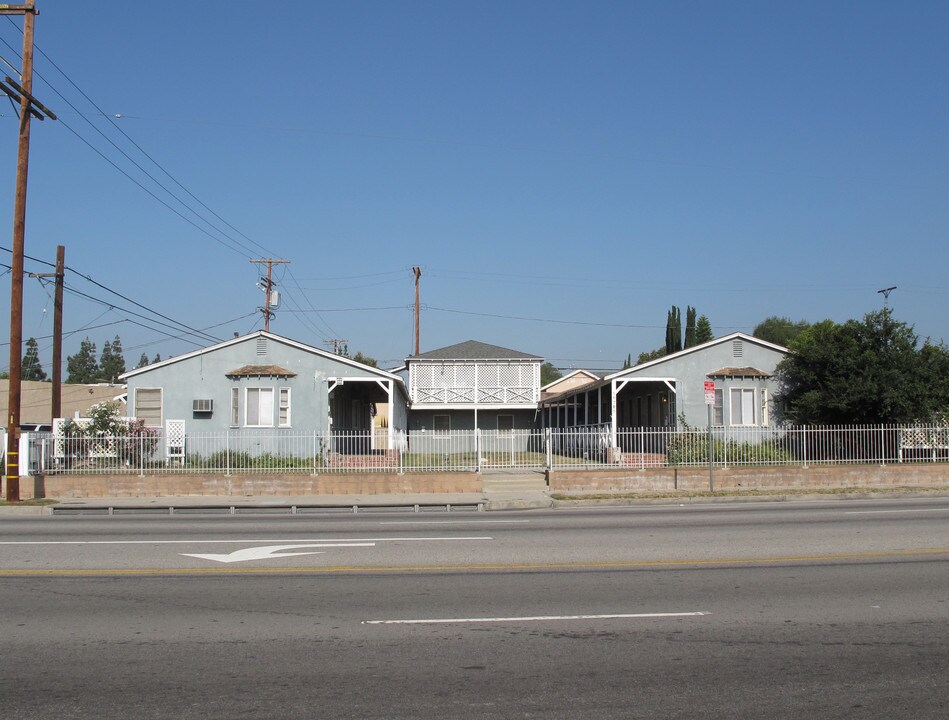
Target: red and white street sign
709, 392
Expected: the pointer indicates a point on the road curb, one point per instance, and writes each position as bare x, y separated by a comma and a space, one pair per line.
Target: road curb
738, 499
25, 510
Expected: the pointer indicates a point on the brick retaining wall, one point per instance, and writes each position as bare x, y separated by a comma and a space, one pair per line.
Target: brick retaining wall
90, 486
749, 478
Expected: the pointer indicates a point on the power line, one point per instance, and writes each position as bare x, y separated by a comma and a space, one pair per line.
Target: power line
136, 164
197, 333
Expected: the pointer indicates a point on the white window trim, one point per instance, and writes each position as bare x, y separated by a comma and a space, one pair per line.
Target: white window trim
161, 405
273, 408
281, 393
235, 418
731, 407
718, 408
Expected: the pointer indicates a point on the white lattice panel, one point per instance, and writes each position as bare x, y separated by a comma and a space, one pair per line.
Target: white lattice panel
464, 376
487, 376
174, 439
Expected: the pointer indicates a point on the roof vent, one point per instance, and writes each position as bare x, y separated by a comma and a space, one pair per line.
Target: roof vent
261, 346
738, 349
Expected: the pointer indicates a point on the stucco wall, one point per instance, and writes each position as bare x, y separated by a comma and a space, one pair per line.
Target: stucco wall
203, 376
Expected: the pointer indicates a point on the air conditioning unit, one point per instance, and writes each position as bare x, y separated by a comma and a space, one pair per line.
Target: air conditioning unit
202, 406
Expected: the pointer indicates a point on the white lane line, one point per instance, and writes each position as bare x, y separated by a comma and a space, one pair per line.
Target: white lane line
454, 522
246, 541
534, 618
881, 512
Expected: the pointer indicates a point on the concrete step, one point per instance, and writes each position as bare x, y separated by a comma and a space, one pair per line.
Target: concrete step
514, 483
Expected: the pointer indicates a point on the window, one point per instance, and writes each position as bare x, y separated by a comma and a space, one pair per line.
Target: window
442, 423
505, 423
235, 407
742, 406
148, 406
259, 410
718, 408
283, 408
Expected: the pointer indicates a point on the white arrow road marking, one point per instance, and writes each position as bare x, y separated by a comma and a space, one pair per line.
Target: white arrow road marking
270, 552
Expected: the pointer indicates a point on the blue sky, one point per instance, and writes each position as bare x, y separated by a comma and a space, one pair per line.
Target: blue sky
562, 172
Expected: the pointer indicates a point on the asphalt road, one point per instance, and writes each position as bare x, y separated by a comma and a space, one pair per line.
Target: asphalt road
823, 610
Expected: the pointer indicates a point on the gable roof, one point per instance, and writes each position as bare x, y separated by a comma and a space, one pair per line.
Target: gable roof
270, 336
697, 348
591, 377
473, 350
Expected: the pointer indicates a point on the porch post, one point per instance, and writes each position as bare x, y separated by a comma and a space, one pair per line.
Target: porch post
391, 438
613, 410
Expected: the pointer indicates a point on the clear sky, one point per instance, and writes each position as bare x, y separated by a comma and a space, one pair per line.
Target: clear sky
562, 172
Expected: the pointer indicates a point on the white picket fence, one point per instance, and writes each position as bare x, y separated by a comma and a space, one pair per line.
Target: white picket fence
171, 450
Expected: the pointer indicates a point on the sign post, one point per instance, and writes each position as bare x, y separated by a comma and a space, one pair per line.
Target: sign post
709, 402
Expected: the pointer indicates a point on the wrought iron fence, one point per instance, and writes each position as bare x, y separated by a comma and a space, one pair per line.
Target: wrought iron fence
281, 451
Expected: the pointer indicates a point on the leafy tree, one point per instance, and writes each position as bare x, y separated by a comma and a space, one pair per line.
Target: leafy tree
365, 360
157, 358
863, 372
142, 361
779, 330
628, 362
703, 331
645, 357
111, 362
32, 368
82, 367
548, 373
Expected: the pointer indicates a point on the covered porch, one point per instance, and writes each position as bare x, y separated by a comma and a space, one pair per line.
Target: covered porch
365, 415
617, 411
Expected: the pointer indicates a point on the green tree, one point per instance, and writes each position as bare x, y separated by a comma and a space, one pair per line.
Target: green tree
779, 330
645, 357
703, 331
82, 367
690, 327
157, 358
862, 372
111, 362
548, 373
142, 361
365, 360
32, 368
673, 330
628, 362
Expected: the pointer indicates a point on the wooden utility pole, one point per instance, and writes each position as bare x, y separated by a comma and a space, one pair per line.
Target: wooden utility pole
56, 370
29, 107
268, 287
417, 271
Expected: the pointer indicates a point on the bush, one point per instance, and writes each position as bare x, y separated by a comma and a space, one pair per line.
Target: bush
107, 435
